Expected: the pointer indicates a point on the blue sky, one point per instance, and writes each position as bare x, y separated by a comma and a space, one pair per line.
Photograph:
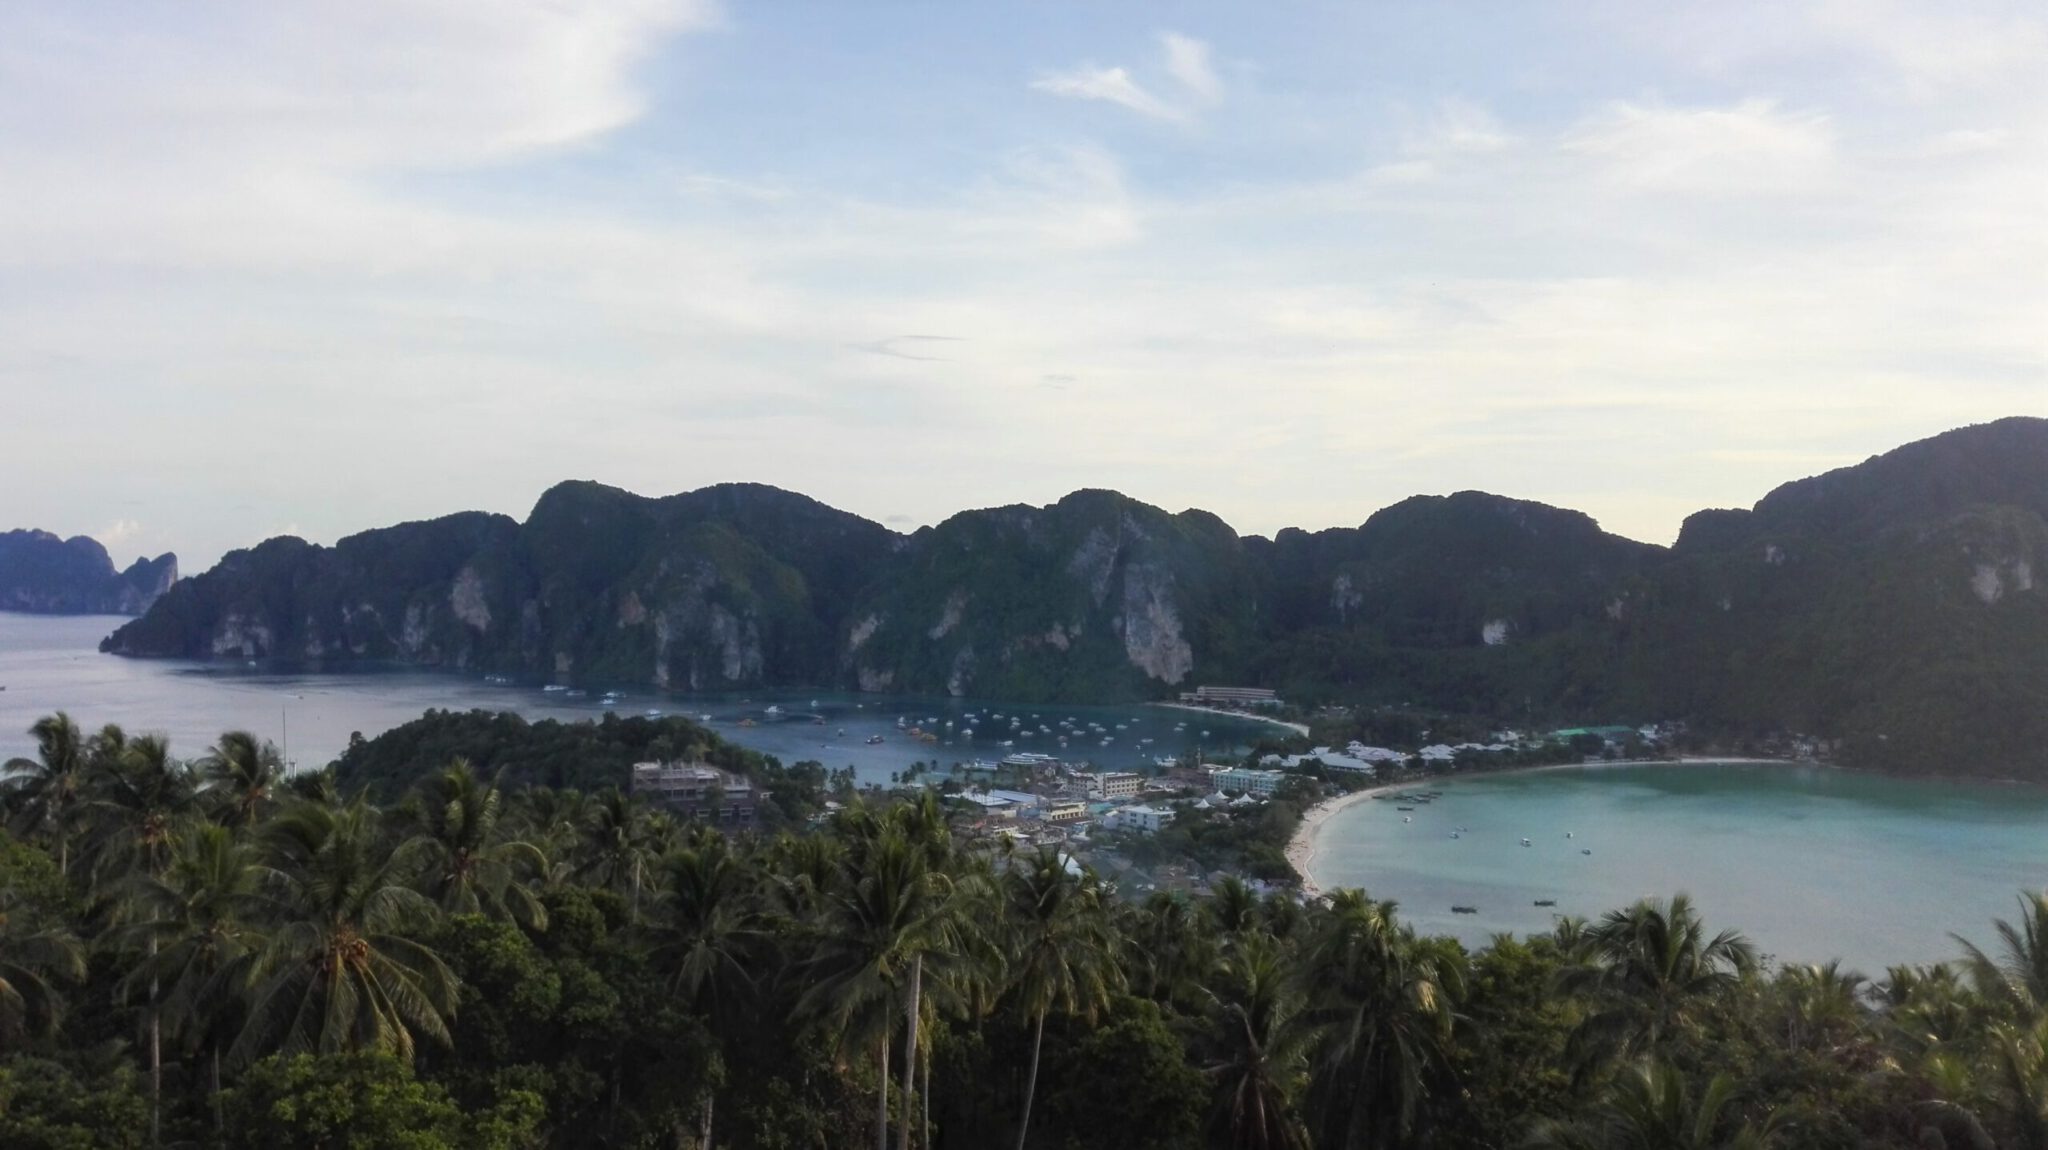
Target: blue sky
321, 267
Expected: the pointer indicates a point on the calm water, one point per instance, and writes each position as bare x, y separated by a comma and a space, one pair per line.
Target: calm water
50, 663
1811, 863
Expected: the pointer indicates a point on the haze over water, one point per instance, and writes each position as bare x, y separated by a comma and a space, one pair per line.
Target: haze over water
1811, 863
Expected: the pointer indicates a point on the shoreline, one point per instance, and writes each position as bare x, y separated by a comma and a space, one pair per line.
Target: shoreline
1306, 844
1298, 728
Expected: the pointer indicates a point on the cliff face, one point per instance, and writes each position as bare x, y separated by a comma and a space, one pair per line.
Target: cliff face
44, 574
1896, 605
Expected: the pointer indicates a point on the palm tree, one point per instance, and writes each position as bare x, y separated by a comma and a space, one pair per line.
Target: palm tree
1169, 950
1650, 1107
242, 776
43, 794
1062, 953
1233, 908
1823, 1002
31, 955
706, 931
2017, 981
466, 864
1648, 967
343, 970
888, 919
199, 920
135, 803
1381, 1008
1258, 1041
619, 847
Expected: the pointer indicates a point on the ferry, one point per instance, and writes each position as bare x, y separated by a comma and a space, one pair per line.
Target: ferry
874, 739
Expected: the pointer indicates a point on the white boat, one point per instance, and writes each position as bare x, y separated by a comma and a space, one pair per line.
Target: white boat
555, 687
653, 713
1525, 842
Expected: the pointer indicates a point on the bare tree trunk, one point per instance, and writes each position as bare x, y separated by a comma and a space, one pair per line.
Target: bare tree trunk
882, 1096
1031, 1082
924, 1098
156, 1054
704, 1126
220, 1120
910, 1048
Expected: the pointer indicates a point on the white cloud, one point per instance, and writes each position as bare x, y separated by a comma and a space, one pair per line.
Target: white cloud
1187, 60
1112, 84
1749, 147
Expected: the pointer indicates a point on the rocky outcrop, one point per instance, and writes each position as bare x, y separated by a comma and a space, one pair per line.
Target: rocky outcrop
43, 574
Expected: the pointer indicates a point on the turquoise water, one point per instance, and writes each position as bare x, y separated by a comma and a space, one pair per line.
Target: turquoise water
50, 663
1810, 863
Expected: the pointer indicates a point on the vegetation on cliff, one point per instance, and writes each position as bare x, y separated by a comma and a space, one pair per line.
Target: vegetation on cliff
1893, 608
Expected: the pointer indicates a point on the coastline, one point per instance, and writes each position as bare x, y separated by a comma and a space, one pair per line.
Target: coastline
1304, 846
1298, 728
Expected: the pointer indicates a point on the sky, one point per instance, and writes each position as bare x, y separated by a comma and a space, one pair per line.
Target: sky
320, 267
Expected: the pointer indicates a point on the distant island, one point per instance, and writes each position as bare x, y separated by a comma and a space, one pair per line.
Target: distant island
1889, 612
45, 574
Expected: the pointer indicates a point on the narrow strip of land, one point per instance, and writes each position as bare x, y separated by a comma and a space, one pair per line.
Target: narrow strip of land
1298, 728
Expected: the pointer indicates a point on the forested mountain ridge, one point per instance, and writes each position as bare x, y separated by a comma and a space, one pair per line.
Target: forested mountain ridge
45, 574
1892, 605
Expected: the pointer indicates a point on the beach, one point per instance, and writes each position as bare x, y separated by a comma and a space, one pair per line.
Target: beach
1298, 728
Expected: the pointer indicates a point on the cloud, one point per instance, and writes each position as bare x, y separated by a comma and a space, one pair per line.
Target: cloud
892, 347
1112, 84
1187, 60
118, 532
1749, 147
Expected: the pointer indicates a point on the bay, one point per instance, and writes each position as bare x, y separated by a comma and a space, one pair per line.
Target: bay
1811, 863
50, 663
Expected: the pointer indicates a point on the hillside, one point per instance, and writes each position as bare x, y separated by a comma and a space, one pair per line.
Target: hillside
42, 573
1892, 605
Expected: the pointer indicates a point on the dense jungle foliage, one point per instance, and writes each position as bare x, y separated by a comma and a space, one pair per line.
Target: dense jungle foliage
209, 953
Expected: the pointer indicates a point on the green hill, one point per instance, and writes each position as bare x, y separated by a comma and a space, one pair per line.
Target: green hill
1891, 607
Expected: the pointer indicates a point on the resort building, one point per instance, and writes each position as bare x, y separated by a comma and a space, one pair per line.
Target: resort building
1251, 782
1231, 697
1144, 820
1115, 784
696, 790
1063, 813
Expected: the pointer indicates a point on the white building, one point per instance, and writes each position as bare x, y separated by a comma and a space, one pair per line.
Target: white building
1251, 782
1145, 820
1115, 784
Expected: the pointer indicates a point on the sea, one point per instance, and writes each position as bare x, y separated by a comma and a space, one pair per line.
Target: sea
52, 662
1811, 863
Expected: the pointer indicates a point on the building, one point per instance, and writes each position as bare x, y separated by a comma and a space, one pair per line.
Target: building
1251, 782
1231, 697
1115, 784
1063, 812
1144, 820
696, 790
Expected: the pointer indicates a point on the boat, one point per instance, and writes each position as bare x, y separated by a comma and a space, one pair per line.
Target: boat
773, 709
653, 713
1404, 808
1546, 902
874, 739
1454, 834
1586, 851
842, 732
553, 687
748, 723
1407, 818
1567, 834
1464, 910
1525, 842
703, 718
